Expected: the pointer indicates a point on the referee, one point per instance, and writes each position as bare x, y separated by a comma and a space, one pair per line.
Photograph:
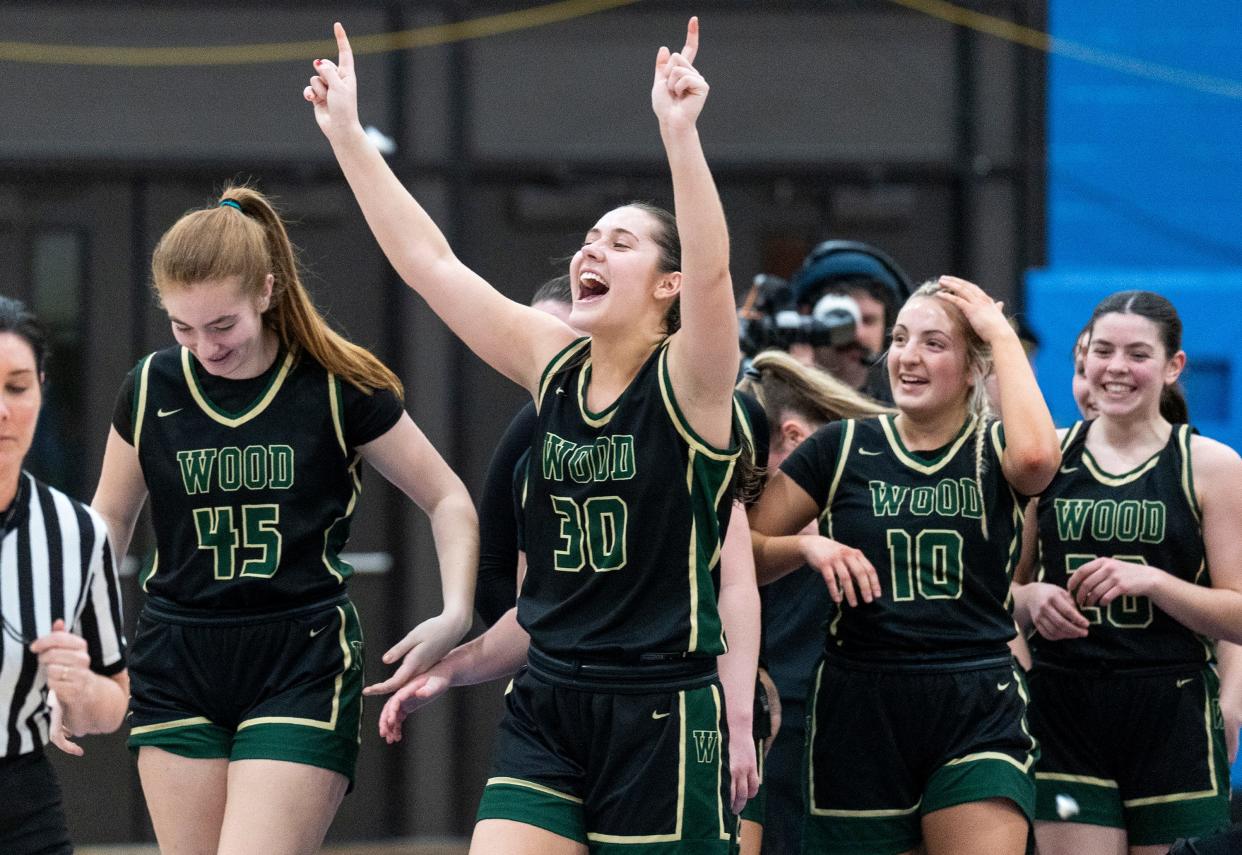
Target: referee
62, 655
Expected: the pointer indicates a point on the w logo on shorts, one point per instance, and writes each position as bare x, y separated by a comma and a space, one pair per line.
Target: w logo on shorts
705, 744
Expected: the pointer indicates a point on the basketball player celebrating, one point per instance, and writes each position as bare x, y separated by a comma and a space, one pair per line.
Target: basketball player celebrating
917, 730
615, 735
248, 436
1140, 568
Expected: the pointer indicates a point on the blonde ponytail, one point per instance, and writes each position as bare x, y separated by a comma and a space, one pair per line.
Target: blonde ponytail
782, 385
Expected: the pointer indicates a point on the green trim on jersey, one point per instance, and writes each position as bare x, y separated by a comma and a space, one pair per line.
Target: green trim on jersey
256, 407
706, 482
338, 415
140, 398
925, 467
332, 545
1184, 439
557, 364
843, 452
1108, 479
1070, 434
151, 570
589, 416
681, 423
743, 421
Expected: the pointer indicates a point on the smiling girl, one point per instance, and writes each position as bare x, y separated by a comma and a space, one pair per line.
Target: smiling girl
917, 727
615, 736
1140, 569
248, 436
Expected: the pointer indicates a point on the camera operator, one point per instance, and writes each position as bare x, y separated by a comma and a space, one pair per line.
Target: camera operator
833, 313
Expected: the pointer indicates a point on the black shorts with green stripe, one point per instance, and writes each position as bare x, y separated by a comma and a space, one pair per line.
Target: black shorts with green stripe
1139, 750
285, 686
889, 746
623, 760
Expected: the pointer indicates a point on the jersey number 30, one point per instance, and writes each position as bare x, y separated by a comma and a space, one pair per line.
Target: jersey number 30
595, 529
259, 532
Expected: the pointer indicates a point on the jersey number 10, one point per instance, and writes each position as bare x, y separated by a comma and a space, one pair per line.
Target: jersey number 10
933, 566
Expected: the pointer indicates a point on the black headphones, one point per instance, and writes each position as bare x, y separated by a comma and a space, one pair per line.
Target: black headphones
834, 260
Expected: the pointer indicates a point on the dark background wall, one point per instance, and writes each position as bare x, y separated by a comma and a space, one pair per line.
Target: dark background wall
847, 119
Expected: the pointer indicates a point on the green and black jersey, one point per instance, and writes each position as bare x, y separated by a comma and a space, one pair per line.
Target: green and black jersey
942, 532
1148, 515
624, 517
251, 498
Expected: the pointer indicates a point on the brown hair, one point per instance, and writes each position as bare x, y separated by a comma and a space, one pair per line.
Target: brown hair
243, 236
668, 239
1158, 310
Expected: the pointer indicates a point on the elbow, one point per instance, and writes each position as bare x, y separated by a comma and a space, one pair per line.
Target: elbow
1031, 470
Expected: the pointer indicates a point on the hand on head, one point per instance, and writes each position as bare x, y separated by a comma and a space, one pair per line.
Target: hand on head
679, 91
986, 316
333, 90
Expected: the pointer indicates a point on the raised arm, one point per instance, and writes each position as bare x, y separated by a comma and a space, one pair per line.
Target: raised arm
516, 340
1032, 452
704, 354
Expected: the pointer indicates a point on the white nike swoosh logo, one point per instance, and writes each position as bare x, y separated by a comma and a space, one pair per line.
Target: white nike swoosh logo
1065, 471
1181, 683
315, 632
163, 413
870, 453
1000, 687
657, 715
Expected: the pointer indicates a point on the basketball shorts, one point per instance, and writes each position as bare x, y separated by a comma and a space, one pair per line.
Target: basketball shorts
887, 747
284, 686
635, 770
1139, 751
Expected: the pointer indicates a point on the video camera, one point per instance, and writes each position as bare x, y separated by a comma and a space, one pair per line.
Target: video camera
780, 312
770, 318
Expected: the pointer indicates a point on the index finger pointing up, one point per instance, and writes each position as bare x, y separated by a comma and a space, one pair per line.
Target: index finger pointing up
692, 40
345, 54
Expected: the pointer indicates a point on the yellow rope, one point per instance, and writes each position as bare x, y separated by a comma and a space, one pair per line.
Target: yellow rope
1039, 40
439, 34
565, 10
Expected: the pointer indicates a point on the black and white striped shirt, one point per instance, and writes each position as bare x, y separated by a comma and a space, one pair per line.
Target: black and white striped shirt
55, 562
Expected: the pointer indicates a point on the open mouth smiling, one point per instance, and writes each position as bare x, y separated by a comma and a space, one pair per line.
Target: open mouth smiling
591, 286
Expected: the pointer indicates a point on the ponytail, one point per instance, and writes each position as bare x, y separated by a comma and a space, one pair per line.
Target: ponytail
243, 236
1173, 406
782, 385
